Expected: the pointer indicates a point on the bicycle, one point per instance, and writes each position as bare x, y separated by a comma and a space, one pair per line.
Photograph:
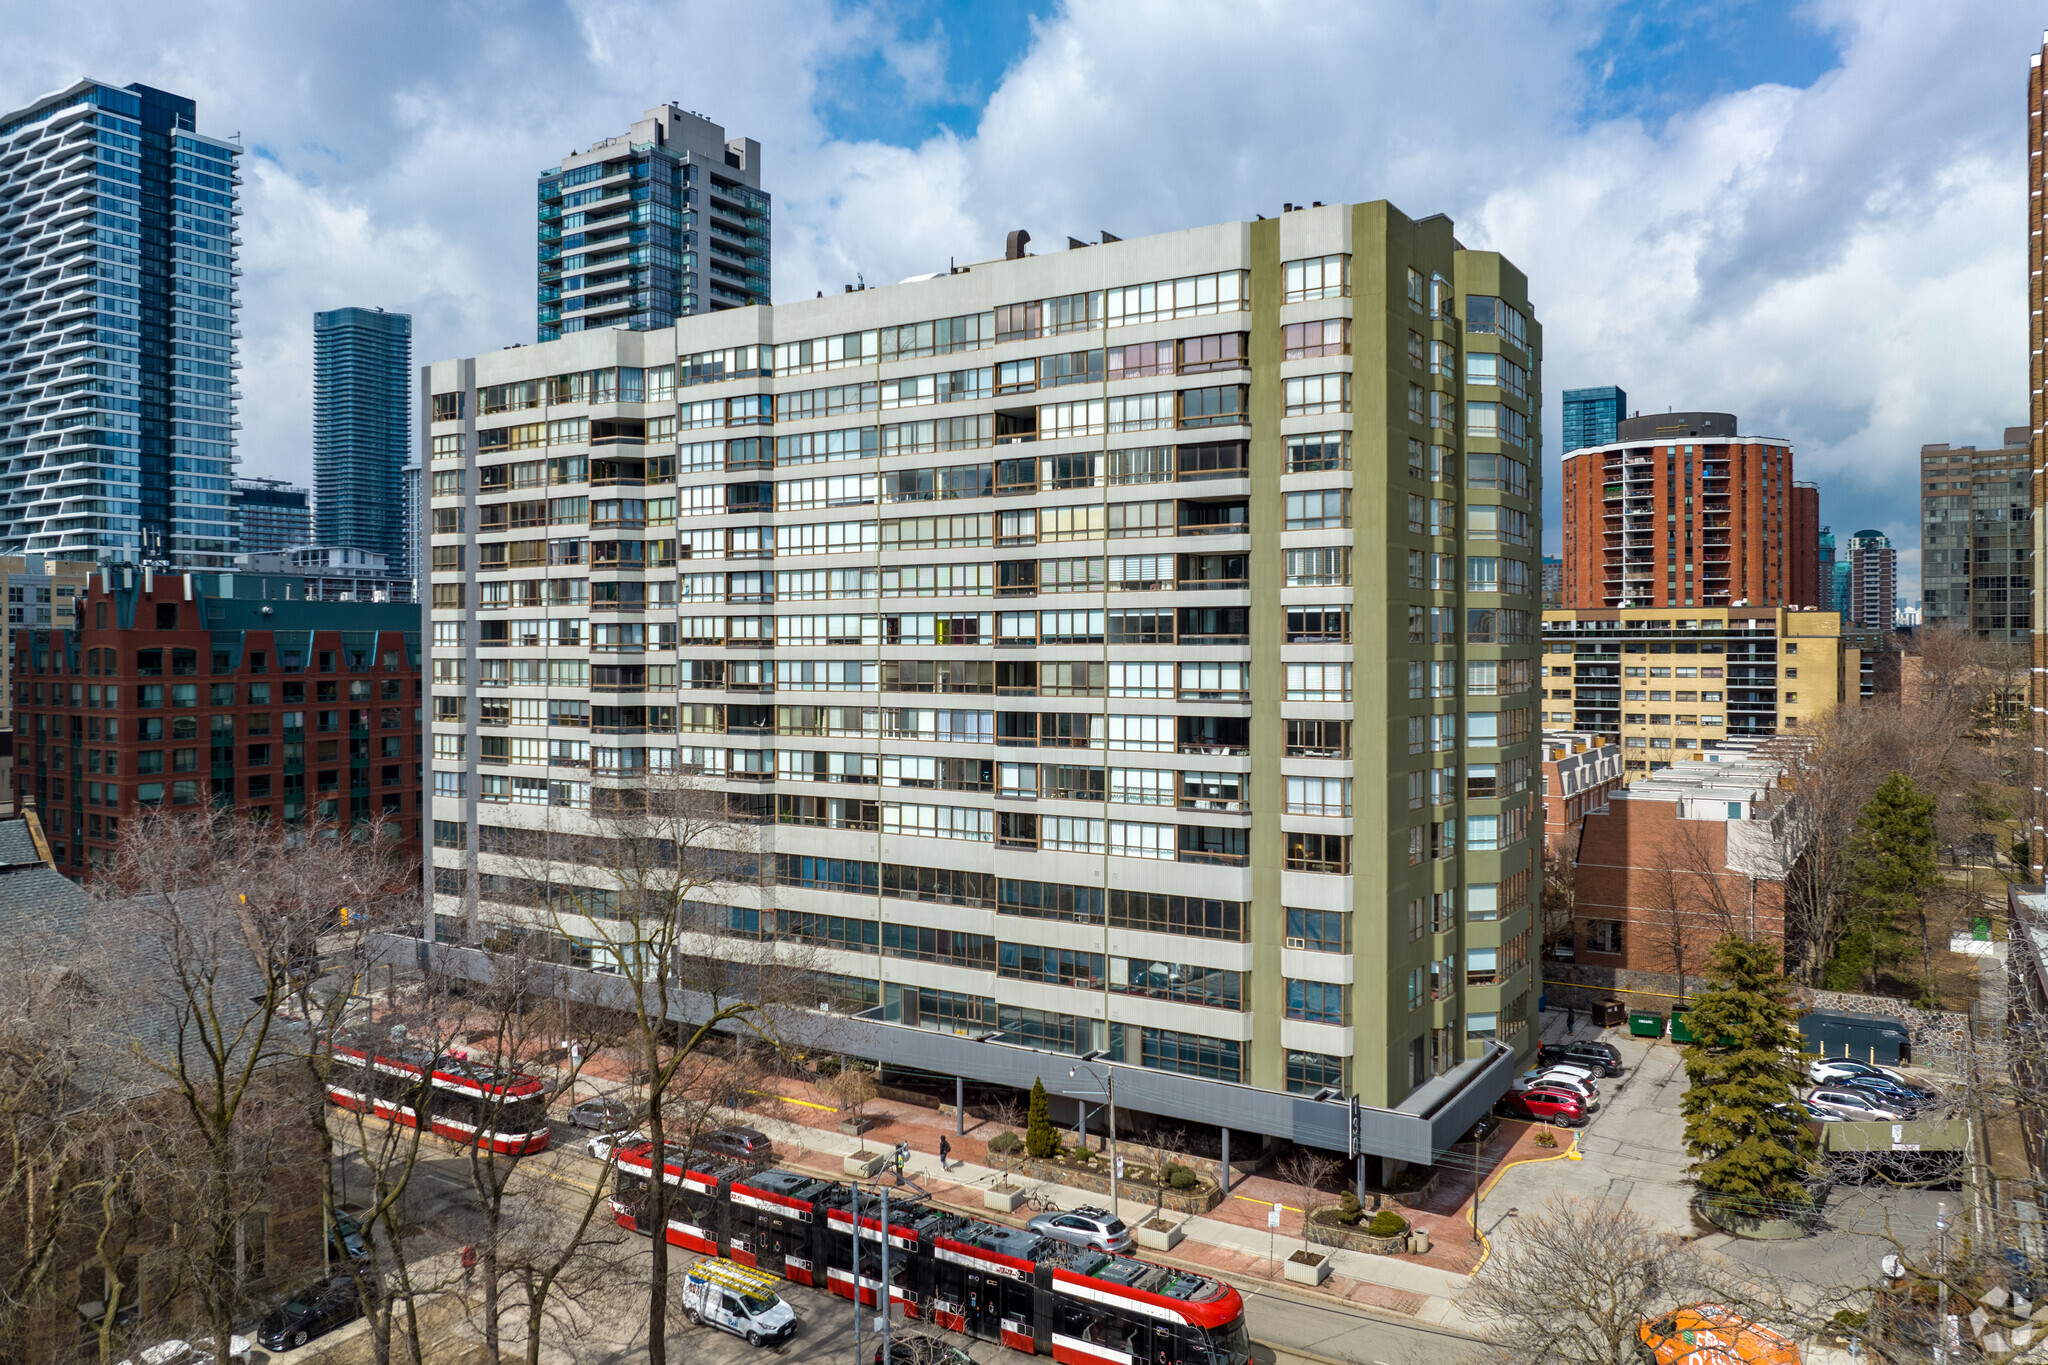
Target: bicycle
1040, 1202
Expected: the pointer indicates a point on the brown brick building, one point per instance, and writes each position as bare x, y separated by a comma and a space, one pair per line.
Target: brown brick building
1669, 865
1681, 512
175, 689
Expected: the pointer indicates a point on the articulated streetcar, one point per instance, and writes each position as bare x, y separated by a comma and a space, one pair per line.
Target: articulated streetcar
453, 1097
993, 1283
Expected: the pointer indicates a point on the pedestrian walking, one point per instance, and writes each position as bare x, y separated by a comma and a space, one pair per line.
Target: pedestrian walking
1571, 1019
945, 1150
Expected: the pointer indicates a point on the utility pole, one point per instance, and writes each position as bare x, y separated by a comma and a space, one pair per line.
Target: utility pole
882, 1294
1108, 1079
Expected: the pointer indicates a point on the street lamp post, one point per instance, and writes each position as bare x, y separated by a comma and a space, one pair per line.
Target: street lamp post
1941, 1221
1108, 1079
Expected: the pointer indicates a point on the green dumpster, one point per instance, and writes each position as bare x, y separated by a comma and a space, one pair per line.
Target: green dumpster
1680, 1031
1645, 1024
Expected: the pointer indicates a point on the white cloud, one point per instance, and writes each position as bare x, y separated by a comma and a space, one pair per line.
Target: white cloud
1840, 264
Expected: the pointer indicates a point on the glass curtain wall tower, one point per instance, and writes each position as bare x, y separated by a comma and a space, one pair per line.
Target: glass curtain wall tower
667, 220
362, 391
117, 329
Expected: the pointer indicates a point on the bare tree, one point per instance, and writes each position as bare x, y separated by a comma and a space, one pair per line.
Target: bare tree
646, 881
1576, 1281
234, 911
1308, 1170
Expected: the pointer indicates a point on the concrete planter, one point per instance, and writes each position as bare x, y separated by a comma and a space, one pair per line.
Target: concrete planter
1003, 1198
865, 1165
1306, 1267
1204, 1196
856, 1126
1152, 1234
1355, 1238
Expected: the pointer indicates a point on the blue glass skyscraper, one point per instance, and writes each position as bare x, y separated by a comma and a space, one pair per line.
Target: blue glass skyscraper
1592, 416
362, 393
117, 328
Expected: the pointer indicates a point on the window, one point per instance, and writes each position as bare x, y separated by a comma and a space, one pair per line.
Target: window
1317, 277
1191, 1054
1318, 509
1319, 682
1309, 1073
1319, 451
1329, 796
1319, 1002
1319, 931
448, 407
1305, 340
1604, 936
1222, 351
1318, 852
1309, 395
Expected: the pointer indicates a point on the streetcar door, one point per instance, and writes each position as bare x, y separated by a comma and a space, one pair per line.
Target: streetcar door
1163, 1352
771, 1244
984, 1306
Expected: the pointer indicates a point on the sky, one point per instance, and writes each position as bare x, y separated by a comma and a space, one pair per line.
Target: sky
1811, 215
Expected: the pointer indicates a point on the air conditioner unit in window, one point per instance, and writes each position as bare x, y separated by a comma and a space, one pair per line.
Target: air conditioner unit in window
1297, 943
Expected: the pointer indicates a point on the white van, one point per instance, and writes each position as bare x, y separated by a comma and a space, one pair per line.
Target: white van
739, 1299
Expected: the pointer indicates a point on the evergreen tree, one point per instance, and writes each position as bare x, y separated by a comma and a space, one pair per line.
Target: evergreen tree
1742, 1125
1041, 1139
1892, 866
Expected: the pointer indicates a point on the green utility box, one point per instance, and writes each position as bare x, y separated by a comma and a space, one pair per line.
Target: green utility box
1680, 1031
1645, 1024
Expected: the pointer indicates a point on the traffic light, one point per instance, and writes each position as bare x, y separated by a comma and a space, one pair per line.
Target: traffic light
902, 1152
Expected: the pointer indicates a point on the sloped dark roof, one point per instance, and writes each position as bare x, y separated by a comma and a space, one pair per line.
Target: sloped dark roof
17, 845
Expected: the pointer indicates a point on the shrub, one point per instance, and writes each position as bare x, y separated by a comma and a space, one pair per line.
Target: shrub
1041, 1139
1181, 1178
1387, 1223
1002, 1144
1348, 1210
1084, 1155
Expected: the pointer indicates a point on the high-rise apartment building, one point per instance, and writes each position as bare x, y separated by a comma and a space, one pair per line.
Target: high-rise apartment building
1152, 624
414, 524
1824, 569
271, 515
2037, 414
1592, 416
666, 220
1873, 581
117, 341
1976, 538
1680, 511
1673, 687
1553, 582
362, 429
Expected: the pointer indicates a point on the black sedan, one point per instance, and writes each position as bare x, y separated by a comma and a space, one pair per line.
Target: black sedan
1602, 1059
313, 1311
1886, 1091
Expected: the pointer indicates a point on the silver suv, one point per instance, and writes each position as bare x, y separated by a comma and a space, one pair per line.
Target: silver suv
1090, 1227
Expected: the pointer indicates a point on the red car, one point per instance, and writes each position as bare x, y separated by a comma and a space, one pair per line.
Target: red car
1549, 1105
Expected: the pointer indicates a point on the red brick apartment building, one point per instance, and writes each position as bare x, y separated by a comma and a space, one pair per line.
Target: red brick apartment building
1669, 865
1579, 770
176, 689
1681, 512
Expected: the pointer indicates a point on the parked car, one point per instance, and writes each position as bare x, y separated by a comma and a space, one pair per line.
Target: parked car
1602, 1059
601, 1145
919, 1349
750, 1145
1089, 1227
1561, 1079
602, 1116
1885, 1090
1835, 1070
309, 1313
345, 1238
1569, 1069
198, 1351
1546, 1104
1852, 1104
738, 1299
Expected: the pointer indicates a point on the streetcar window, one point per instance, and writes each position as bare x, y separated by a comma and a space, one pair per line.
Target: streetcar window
1230, 1345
